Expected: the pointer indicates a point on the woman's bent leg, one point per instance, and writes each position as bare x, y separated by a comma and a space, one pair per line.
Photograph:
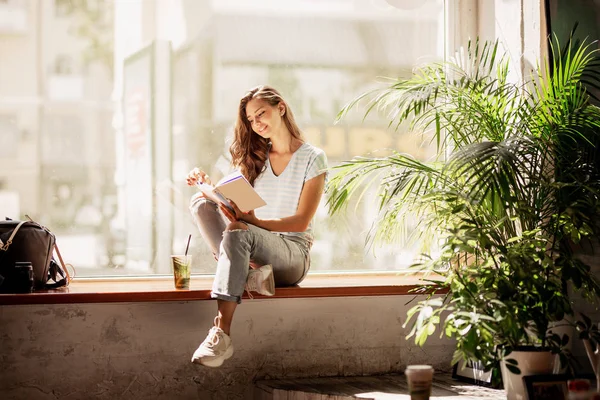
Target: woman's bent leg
232, 266
209, 221
289, 258
242, 243
234, 263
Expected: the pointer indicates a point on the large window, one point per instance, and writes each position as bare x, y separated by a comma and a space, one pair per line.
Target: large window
98, 149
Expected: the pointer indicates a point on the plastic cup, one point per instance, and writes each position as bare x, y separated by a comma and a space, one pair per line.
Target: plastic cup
420, 379
182, 266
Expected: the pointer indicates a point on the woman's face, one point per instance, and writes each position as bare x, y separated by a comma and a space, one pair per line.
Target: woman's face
264, 118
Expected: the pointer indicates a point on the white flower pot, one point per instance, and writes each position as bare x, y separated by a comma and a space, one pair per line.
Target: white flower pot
563, 327
530, 363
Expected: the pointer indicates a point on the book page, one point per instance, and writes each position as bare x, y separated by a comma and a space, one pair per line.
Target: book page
213, 195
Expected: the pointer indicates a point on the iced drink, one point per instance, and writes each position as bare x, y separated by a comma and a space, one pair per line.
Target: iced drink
182, 266
420, 378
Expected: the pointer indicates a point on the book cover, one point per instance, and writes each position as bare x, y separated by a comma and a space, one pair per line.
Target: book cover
235, 187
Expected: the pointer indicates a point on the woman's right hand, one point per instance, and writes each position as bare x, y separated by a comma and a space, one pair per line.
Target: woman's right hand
197, 175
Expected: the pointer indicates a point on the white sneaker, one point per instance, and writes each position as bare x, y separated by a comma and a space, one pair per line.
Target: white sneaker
260, 280
215, 349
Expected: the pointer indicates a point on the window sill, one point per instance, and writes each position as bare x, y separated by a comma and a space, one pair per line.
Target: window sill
109, 290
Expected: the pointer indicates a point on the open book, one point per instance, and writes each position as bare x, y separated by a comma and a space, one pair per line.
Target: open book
234, 187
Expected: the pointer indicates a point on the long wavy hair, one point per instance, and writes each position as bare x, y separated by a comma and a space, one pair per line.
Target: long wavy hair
249, 150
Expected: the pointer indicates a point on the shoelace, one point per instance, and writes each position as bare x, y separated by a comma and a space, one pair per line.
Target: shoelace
214, 334
215, 338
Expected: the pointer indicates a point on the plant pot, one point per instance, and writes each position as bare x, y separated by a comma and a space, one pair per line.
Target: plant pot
563, 327
531, 361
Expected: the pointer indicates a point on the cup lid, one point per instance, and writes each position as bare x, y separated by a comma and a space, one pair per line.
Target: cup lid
419, 368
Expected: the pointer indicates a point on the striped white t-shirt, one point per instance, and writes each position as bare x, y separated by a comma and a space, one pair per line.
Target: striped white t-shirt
282, 193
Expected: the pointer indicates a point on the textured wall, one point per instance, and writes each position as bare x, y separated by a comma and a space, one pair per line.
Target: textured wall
588, 254
143, 350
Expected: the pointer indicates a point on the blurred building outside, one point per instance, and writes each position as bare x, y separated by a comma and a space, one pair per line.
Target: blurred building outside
57, 152
98, 150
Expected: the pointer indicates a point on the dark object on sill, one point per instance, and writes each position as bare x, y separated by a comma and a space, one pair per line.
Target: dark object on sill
28, 241
540, 387
472, 372
23, 274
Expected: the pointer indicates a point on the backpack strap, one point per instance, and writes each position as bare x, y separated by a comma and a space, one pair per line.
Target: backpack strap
57, 283
66, 277
5, 246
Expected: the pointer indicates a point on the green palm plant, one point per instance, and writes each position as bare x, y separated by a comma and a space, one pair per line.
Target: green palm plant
515, 184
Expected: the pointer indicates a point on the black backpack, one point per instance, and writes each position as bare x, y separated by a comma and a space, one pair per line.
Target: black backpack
28, 241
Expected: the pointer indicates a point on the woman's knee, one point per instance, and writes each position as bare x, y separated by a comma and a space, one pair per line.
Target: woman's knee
236, 236
236, 225
199, 203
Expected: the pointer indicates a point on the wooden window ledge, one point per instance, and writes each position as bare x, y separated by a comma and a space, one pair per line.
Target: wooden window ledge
145, 289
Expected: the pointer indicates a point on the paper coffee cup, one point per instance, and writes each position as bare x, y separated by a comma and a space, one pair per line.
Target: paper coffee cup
419, 378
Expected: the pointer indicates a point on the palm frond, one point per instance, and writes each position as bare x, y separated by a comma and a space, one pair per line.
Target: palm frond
509, 143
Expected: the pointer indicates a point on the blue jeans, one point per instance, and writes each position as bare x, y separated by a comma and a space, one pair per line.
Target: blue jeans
234, 249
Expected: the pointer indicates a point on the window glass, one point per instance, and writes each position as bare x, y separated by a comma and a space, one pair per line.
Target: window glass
106, 105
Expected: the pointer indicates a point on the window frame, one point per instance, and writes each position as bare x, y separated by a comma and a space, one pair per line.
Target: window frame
450, 25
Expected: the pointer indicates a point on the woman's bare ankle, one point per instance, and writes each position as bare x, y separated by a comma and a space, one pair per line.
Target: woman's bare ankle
254, 265
220, 324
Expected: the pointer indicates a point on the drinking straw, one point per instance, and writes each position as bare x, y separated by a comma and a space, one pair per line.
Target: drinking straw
188, 244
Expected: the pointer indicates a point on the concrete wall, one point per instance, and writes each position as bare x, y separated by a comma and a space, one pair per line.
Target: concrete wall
143, 350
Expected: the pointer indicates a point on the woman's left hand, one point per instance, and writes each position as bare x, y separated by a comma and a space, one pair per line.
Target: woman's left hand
238, 215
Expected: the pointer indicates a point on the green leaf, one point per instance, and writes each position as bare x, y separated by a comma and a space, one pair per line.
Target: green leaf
515, 370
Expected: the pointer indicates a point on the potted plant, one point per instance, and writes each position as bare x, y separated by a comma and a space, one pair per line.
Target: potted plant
515, 184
